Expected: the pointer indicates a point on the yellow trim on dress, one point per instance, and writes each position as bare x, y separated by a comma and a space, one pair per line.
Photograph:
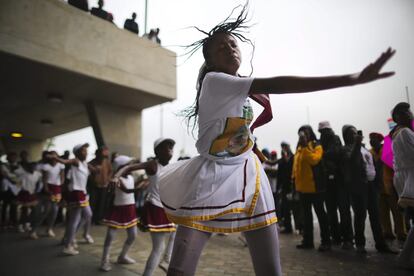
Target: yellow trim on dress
170, 229
257, 190
132, 224
231, 230
56, 198
189, 221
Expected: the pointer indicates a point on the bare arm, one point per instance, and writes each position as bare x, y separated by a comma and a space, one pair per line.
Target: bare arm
148, 166
74, 162
294, 84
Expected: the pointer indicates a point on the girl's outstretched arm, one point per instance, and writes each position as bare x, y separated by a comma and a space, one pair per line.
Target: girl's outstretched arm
294, 84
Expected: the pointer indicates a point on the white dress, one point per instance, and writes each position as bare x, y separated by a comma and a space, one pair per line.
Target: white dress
225, 188
403, 147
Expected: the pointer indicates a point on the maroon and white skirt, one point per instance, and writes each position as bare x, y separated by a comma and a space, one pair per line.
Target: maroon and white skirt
121, 217
27, 199
154, 219
55, 192
77, 199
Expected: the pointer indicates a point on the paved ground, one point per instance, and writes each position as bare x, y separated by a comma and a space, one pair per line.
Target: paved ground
224, 255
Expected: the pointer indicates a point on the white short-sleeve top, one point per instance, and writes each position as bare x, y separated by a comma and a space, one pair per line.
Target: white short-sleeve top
122, 198
53, 173
78, 176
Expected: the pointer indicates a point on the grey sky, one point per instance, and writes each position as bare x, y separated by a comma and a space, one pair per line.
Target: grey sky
295, 37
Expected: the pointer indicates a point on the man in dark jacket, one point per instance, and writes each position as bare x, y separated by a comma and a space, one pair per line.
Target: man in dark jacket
337, 197
357, 171
285, 186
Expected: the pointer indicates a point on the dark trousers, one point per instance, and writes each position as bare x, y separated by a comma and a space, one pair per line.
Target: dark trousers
289, 207
338, 198
362, 201
9, 202
98, 203
317, 201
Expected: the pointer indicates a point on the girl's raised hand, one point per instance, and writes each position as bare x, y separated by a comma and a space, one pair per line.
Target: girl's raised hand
372, 71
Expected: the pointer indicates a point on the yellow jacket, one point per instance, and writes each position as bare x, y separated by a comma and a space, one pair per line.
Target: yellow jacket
305, 159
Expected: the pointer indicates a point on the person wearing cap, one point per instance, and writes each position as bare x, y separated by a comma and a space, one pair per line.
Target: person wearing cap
310, 183
153, 217
53, 177
78, 199
359, 175
337, 197
403, 147
99, 183
122, 215
387, 195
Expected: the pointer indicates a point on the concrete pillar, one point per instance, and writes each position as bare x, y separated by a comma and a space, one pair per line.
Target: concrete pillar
32, 146
117, 127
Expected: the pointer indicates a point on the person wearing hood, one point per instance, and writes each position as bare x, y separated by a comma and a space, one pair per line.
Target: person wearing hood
359, 176
337, 197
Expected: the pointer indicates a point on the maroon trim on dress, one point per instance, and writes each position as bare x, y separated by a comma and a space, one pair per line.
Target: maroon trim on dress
217, 207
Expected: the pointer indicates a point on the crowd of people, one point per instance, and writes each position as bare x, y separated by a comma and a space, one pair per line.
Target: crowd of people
331, 177
129, 25
335, 178
33, 195
225, 189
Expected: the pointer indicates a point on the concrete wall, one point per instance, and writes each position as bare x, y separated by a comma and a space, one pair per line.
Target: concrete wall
33, 147
52, 32
120, 128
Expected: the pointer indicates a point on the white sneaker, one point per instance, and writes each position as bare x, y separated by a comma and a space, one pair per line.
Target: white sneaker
126, 260
88, 239
106, 266
70, 251
75, 244
27, 227
20, 228
50, 233
164, 265
33, 236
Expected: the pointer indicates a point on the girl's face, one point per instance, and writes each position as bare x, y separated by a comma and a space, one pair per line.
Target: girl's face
164, 152
82, 153
224, 54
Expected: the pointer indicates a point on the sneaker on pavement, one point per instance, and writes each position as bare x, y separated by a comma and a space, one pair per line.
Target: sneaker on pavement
20, 228
50, 233
88, 239
106, 266
126, 260
70, 251
27, 227
33, 236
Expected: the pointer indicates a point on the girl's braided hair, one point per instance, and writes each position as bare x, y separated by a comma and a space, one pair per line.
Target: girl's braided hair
233, 26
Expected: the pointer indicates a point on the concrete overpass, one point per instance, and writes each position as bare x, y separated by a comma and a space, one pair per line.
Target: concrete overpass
62, 69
